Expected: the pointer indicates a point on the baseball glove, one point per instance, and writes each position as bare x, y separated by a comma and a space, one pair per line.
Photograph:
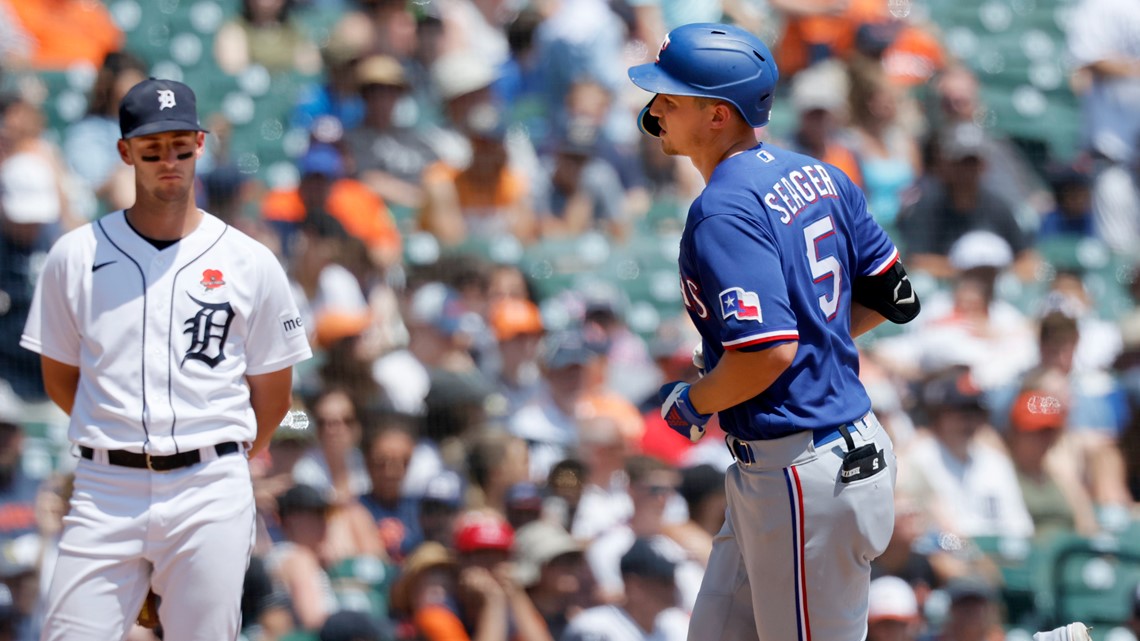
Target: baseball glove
148, 615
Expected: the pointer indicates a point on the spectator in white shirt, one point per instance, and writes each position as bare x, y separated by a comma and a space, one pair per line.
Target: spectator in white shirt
960, 471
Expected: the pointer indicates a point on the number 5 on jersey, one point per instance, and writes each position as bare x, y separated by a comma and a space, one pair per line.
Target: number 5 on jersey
825, 266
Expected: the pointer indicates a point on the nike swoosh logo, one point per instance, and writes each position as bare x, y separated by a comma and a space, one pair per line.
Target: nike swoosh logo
95, 268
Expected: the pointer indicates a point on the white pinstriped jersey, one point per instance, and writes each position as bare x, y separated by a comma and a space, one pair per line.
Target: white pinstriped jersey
164, 339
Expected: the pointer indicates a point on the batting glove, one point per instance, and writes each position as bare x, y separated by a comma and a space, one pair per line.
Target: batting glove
679, 413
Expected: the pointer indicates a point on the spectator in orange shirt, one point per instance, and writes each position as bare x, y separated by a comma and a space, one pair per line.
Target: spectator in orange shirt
486, 199
818, 95
816, 30
66, 32
324, 187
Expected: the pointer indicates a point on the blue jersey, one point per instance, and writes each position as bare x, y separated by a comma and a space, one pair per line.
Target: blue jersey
768, 255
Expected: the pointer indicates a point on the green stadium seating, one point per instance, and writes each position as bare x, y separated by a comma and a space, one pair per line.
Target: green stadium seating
1089, 580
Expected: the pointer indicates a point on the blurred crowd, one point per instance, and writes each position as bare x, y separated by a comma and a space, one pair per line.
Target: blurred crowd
471, 459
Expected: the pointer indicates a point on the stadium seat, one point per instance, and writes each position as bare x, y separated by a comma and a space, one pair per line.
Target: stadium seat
1089, 580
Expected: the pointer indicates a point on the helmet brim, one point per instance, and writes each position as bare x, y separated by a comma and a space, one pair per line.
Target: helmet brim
653, 79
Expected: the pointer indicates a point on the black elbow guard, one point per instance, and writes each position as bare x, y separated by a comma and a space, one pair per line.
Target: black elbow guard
889, 294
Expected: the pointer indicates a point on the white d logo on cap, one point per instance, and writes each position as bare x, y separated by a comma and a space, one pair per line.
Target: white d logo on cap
165, 99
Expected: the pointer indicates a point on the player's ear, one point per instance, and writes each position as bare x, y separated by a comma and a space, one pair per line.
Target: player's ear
200, 144
124, 152
721, 114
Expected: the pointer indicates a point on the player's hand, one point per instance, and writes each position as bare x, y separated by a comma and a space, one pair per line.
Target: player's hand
679, 413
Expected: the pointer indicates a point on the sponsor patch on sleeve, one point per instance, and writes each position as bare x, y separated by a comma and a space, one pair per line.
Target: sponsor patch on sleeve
291, 324
740, 303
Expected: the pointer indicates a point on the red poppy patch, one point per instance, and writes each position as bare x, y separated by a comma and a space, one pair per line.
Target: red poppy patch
212, 279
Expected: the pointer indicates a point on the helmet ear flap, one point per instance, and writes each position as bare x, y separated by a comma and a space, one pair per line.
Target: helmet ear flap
647, 122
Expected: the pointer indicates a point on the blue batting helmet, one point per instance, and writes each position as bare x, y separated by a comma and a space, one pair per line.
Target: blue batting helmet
712, 61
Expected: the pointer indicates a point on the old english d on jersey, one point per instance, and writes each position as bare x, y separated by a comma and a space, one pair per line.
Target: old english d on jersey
172, 333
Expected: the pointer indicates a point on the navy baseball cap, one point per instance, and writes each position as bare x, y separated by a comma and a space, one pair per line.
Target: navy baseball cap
154, 106
647, 559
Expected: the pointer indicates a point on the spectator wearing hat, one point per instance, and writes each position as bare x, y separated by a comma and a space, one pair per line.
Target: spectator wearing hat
29, 213
333, 100
1007, 170
295, 562
973, 613
892, 613
441, 332
326, 190
485, 198
969, 483
486, 182
548, 422
648, 608
518, 328
272, 475
1036, 422
388, 449
586, 192
626, 372
264, 33
489, 589
1099, 341
818, 94
440, 504
525, 503
265, 607
955, 200
968, 324
390, 154
652, 484
1089, 450
349, 625
702, 488
456, 414
1072, 217
550, 565
424, 595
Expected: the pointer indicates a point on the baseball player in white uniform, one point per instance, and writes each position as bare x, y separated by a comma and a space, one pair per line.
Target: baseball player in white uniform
169, 337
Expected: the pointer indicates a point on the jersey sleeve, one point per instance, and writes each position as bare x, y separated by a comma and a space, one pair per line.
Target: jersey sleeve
742, 280
277, 337
874, 251
51, 328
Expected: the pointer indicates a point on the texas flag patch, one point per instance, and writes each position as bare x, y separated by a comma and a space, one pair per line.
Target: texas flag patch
744, 305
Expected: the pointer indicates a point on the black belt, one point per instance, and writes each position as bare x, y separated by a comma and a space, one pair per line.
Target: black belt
157, 463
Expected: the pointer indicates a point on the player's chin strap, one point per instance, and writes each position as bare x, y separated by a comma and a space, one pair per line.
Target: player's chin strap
647, 122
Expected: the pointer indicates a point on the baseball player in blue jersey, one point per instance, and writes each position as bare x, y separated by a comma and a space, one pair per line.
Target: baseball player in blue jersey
781, 266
